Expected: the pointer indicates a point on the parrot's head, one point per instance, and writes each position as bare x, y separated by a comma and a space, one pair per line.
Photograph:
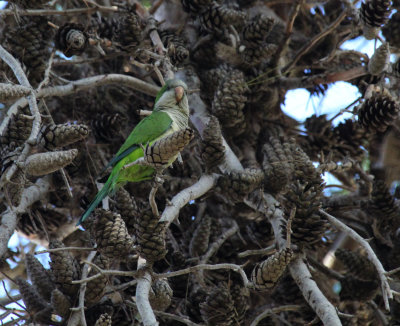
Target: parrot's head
173, 95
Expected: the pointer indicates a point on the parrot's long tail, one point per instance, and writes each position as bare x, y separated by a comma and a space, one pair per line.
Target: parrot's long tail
106, 190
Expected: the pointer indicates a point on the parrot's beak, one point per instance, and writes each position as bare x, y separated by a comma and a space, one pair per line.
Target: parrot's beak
179, 92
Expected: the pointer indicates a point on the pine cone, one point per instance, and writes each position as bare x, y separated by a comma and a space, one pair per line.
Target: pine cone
65, 269
54, 136
238, 184
38, 308
229, 101
257, 29
49, 162
277, 164
112, 237
104, 320
305, 170
15, 187
195, 7
200, 238
319, 138
60, 303
71, 39
356, 265
150, 237
95, 289
216, 18
253, 54
212, 148
350, 136
308, 226
380, 60
265, 275
378, 112
163, 151
129, 32
106, 127
219, 308
391, 30
175, 45
240, 296
30, 42
18, 130
355, 289
160, 295
382, 207
39, 276
10, 92
127, 208
212, 78
373, 14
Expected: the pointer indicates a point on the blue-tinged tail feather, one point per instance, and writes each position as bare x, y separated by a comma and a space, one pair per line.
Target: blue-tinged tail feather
106, 190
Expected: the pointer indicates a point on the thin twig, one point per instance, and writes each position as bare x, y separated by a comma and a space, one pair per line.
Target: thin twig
289, 227
233, 267
219, 242
64, 12
386, 291
62, 249
182, 320
23, 80
274, 311
155, 6
9, 218
80, 310
265, 252
307, 47
288, 32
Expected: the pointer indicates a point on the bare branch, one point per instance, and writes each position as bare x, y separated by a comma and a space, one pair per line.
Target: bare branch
142, 295
233, 267
386, 291
9, 217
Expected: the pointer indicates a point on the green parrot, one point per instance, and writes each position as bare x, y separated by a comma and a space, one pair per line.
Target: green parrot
170, 114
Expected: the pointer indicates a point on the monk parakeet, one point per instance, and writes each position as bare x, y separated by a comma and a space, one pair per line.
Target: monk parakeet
170, 114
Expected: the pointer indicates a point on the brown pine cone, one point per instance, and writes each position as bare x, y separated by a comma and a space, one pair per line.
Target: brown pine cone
95, 289
356, 264
373, 14
160, 295
308, 226
391, 30
212, 148
38, 308
219, 308
238, 184
53, 136
126, 206
60, 303
71, 39
112, 237
65, 269
266, 274
39, 276
378, 112
216, 18
200, 238
150, 236
277, 164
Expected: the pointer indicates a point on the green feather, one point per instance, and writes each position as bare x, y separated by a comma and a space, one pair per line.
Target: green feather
151, 128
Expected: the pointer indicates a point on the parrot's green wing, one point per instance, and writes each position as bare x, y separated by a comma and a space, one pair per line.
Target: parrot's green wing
147, 130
